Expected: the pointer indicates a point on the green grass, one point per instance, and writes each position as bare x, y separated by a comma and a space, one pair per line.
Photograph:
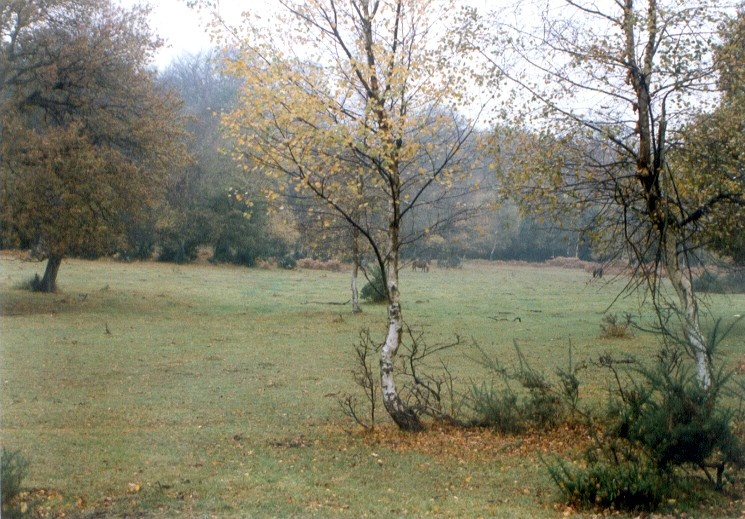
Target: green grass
157, 390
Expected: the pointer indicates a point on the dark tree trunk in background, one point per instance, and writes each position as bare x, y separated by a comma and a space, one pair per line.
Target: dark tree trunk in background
49, 282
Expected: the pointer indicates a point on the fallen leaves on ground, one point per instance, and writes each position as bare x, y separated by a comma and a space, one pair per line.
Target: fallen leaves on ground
45, 502
474, 443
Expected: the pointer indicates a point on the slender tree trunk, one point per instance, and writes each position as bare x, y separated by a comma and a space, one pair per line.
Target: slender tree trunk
650, 165
355, 293
680, 278
49, 282
355, 270
404, 416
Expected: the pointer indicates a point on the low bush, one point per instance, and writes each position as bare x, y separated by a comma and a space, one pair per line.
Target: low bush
659, 420
676, 421
375, 290
13, 470
452, 262
32, 284
728, 283
331, 265
172, 249
287, 262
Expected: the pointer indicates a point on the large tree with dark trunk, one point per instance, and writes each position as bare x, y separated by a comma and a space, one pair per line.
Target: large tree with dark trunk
85, 136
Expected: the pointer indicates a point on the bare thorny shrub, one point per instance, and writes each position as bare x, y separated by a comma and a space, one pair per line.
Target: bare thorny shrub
514, 399
517, 398
429, 386
429, 382
365, 377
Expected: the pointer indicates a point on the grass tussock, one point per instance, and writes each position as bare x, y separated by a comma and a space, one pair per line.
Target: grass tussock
614, 327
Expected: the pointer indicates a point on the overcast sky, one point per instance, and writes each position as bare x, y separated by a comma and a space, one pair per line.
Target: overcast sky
183, 29
180, 26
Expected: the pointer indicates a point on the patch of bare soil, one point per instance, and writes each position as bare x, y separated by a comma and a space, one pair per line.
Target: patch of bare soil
19, 303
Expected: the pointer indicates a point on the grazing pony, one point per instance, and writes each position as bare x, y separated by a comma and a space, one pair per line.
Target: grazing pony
421, 265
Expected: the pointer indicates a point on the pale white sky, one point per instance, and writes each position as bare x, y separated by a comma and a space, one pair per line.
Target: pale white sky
183, 29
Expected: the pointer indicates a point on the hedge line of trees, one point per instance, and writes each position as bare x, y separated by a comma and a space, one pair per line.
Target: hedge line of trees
194, 204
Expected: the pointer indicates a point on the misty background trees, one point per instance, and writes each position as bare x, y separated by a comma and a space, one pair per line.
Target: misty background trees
184, 177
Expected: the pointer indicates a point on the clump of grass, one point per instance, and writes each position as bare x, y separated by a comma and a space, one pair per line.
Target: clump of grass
525, 397
497, 408
614, 328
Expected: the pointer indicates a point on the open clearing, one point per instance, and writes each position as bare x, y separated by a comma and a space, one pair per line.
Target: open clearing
157, 390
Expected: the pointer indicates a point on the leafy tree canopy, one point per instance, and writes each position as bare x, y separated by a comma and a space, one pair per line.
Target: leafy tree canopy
86, 136
712, 155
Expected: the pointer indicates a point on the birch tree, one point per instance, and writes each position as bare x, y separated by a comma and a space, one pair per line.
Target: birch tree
608, 88
356, 104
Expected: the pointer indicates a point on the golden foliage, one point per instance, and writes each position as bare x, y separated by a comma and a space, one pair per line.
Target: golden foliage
362, 118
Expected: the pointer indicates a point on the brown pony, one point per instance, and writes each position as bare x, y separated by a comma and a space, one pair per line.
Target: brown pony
421, 265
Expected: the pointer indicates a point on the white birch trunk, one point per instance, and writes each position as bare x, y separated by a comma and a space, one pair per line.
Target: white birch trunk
404, 416
680, 278
355, 271
355, 293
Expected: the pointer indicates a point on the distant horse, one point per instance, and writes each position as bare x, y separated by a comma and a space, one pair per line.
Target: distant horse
420, 265
598, 272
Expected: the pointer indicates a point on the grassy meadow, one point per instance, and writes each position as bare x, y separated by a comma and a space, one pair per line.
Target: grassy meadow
155, 390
